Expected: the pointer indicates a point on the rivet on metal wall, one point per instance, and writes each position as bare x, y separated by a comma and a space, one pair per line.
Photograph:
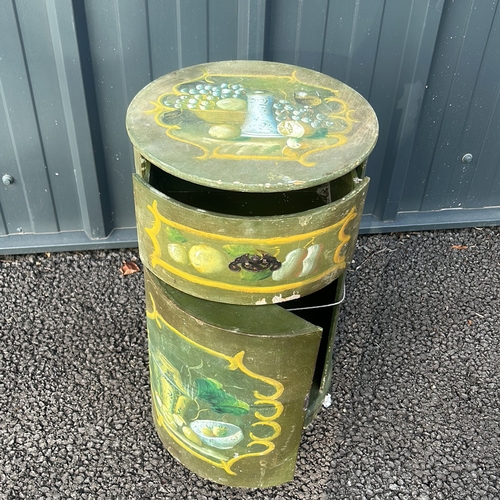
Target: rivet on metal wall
7, 179
467, 158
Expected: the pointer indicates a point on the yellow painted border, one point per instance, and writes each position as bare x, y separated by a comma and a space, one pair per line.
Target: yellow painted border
234, 363
302, 158
157, 260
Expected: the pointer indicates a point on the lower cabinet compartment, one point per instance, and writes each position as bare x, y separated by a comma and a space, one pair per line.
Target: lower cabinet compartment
230, 384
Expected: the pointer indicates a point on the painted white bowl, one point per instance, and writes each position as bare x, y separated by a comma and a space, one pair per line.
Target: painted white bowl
217, 434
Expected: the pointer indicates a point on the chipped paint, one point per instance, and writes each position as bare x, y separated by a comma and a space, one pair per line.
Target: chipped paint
306, 220
279, 298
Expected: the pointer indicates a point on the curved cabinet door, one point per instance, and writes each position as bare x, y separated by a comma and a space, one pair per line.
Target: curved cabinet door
229, 384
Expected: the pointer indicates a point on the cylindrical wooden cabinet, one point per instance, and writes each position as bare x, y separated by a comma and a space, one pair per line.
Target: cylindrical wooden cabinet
249, 188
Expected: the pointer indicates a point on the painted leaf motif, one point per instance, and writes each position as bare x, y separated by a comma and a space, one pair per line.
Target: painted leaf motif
250, 276
237, 250
174, 235
220, 401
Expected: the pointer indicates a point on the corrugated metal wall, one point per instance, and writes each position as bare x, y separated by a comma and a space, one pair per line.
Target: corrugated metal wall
68, 70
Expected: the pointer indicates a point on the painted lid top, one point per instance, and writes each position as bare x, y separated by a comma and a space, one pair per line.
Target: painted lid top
252, 126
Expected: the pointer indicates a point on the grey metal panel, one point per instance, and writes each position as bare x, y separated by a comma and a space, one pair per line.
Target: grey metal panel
351, 41
222, 30
461, 115
77, 126
69, 68
59, 180
27, 204
381, 48
193, 27
479, 185
251, 29
297, 31
398, 86
118, 36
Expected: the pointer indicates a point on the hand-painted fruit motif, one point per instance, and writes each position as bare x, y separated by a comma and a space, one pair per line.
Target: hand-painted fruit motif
178, 420
231, 104
205, 259
290, 128
220, 431
311, 260
191, 435
178, 253
292, 266
216, 431
224, 131
255, 263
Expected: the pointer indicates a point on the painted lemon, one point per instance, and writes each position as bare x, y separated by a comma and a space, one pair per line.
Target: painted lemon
224, 131
178, 253
231, 104
205, 259
291, 128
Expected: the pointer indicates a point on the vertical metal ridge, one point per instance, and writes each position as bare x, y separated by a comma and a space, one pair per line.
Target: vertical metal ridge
296, 45
149, 43
351, 41
44, 218
251, 29
180, 59
325, 31
121, 56
3, 225
427, 203
78, 130
377, 52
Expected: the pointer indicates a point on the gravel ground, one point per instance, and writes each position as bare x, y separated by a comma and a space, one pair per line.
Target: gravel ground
415, 411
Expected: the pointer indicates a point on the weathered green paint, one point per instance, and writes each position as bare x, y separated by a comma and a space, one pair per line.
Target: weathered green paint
229, 385
197, 251
251, 140
249, 189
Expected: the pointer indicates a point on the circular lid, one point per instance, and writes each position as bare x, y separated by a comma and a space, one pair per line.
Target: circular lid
252, 126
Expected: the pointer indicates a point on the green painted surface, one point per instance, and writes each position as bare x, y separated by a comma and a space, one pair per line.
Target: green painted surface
246, 260
252, 126
249, 189
229, 385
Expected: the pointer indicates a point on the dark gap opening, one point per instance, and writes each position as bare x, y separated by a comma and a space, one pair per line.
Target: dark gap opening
322, 317
248, 204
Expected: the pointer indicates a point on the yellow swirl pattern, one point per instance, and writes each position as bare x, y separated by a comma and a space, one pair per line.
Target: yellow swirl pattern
156, 257
343, 114
234, 363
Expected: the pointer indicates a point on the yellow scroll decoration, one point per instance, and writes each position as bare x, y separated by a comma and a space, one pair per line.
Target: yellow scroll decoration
156, 257
301, 155
234, 363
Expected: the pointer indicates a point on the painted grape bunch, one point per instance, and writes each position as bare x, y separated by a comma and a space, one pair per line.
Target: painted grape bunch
203, 96
255, 263
285, 110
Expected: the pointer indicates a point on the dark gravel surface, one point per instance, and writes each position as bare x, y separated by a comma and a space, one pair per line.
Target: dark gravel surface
416, 405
